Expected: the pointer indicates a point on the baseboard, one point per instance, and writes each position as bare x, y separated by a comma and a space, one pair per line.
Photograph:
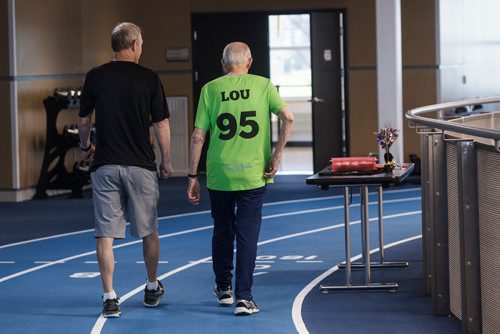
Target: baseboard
21, 195
16, 195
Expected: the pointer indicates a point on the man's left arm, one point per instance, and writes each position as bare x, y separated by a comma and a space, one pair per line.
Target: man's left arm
84, 129
197, 141
285, 115
162, 129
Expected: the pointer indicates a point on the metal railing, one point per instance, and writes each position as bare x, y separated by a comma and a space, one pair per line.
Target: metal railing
416, 119
460, 209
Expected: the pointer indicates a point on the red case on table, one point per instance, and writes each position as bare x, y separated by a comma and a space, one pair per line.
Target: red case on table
350, 164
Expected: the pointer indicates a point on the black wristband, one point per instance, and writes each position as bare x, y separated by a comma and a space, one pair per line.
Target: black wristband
86, 149
192, 176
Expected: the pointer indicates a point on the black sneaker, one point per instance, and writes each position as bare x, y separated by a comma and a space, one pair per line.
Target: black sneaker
152, 297
225, 296
111, 309
245, 307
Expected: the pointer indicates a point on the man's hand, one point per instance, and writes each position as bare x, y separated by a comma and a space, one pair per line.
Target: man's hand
286, 117
271, 168
165, 169
193, 191
88, 155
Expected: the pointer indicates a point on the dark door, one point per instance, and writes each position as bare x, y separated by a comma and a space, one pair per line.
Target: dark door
329, 136
211, 33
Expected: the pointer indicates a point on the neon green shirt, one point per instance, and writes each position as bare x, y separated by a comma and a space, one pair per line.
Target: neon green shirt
236, 110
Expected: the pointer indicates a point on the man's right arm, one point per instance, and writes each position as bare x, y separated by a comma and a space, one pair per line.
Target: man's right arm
85, 118
286, 117
197, 140
162, 129
84, 129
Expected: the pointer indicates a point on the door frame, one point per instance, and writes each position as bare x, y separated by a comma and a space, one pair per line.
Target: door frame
343, 52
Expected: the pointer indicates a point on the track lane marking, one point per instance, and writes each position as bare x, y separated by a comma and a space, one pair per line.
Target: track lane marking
297, 303
100, 322
203, 212
29, 270
51, 263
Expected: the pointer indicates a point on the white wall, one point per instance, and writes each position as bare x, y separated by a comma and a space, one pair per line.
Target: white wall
469, 49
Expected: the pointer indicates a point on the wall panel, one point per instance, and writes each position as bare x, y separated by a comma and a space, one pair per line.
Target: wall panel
363, 112
418, 25
166, 25
419, 89
174, 85
98, 20
469, 59
48, 37
4, 39
5, 137
5, 130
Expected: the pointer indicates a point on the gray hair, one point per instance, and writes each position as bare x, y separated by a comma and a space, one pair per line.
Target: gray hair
236, 53
124, 35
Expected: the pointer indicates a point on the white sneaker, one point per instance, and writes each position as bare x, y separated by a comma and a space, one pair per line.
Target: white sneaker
245, 307
224, 296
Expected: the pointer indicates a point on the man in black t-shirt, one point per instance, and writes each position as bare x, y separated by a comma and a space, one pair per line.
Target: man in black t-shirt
126, 98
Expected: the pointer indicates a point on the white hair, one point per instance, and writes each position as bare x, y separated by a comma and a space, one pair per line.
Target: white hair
236, 53
124, 35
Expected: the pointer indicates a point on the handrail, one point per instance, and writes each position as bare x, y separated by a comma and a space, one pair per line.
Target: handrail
414, 116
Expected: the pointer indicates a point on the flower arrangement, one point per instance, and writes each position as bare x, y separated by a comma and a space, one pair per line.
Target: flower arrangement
385, 138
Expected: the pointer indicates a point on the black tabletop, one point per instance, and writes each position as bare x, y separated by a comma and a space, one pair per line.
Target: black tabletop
326, 178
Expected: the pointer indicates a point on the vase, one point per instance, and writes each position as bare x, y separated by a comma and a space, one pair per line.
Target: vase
388, 156
389, 160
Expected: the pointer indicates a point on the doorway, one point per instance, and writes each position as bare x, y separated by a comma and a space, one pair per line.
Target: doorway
290, 60
303, 56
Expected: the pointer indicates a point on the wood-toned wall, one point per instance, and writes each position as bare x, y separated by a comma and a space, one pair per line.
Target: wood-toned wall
49, 55
58, 41
5, 117
418, 25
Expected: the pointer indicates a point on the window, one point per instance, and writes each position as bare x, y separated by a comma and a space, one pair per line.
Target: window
290, 55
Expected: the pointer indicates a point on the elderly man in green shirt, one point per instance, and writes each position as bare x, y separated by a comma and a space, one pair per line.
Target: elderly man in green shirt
236, 109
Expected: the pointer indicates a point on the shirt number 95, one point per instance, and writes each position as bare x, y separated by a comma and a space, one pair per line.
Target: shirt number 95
228, 125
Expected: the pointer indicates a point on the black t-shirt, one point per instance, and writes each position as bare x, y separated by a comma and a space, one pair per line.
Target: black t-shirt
127, 98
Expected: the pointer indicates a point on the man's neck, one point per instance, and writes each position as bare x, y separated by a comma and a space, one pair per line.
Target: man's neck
237, 70
124, 56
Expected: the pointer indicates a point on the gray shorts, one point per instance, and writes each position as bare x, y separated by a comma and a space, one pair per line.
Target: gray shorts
124, 194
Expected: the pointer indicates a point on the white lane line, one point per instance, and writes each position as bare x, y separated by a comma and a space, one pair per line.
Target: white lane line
52, 262
7, 262
341, 207
6, 278
99, 324
260, 273
101, 320
337, 226
199, 213
92, 230
297, 303
315, 199
208, 261
24, 272
44, 238
309, 261
159, 262
260, 261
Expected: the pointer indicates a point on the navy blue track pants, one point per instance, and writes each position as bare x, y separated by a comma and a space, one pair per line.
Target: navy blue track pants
237, 215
